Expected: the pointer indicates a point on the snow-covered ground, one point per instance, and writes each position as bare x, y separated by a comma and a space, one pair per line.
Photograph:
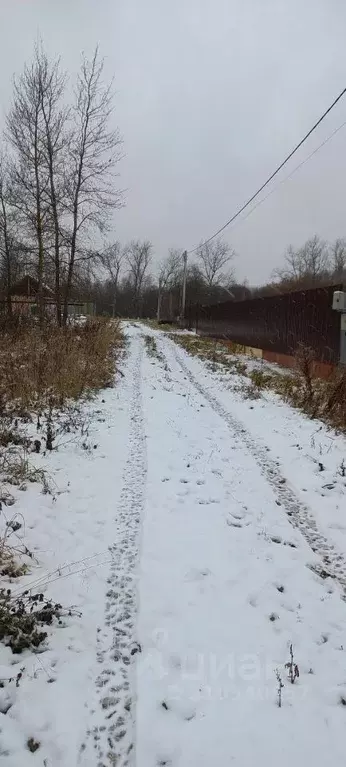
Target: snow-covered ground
199, 538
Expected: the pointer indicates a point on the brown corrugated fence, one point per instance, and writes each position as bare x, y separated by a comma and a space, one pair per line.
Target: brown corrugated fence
277, 323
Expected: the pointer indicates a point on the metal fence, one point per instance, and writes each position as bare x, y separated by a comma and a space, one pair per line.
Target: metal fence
276, 323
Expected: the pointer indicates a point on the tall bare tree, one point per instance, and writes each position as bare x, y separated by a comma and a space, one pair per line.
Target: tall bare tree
305, 266
111, 259
169, 272
94, 152
138, 256
29, 176
338, 258
7, 233
214, 260
55, 115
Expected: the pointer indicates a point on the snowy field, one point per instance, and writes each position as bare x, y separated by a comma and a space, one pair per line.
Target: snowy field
196, 539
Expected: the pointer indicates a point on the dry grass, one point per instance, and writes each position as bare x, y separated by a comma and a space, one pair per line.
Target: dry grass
166, 327
50, 366
318, 398
323, 399
214, 352
43, 373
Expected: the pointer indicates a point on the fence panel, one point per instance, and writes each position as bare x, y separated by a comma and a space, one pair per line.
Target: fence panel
277, 323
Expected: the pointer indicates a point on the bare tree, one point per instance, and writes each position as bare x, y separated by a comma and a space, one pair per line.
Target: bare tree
29, 176
213, 258
314, 258
111, 259
169, 272
55, 116
306, 266
7, 233
138, 256
338, 258
94, 152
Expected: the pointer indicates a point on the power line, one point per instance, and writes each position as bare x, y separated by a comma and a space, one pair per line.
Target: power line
251, 199
287, 178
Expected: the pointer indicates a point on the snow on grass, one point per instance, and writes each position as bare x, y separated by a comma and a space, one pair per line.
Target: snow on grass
69, 534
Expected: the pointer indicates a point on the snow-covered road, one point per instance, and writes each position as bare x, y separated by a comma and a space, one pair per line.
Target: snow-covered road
215, 551
225, 587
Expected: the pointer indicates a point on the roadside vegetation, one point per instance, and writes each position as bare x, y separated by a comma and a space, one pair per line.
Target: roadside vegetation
318, 398
46, 367
58, 193
47, 375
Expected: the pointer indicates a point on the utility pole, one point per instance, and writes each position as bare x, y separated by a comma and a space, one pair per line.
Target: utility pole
183, 295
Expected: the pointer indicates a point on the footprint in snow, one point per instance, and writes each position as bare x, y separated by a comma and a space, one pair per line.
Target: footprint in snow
184, 710
183, 493
278, 539
175, 661
238, 519
323, 639
197, 574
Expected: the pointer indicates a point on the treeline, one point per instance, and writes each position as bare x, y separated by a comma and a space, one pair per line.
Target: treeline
315, 263
126, 285
129, 284
58, 196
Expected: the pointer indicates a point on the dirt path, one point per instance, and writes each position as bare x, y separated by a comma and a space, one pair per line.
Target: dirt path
111, 735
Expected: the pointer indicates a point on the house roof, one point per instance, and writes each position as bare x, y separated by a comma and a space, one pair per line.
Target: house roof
28, 287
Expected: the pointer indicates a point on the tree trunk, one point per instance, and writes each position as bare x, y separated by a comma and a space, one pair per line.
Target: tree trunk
39, 231
74, 229
8, 259
159, 302
69, 280
56, 234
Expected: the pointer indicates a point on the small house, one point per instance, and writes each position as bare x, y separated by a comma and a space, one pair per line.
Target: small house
24, 296
24, 299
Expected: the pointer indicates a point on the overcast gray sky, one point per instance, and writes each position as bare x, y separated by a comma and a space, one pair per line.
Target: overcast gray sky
211, 94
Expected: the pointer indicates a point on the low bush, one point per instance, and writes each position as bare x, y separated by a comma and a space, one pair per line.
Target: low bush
23, 619
52, 365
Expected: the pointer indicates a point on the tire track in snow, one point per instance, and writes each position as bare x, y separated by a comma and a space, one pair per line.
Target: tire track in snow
111, 736
300, 516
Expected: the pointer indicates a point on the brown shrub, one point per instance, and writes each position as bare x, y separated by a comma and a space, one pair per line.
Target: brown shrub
48, 366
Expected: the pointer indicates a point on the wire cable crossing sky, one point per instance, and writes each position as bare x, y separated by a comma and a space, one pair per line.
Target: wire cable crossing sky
204, 126
251, 199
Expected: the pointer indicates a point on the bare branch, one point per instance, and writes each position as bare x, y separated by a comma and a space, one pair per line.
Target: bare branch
94, 151
338, 258
306, 266
138, 256
213, 258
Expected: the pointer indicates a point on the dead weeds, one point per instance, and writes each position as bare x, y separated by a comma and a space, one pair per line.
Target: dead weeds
53, 365
323, 399
45, 377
